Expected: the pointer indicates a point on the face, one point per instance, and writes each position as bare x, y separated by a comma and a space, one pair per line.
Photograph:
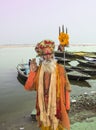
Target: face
47, 54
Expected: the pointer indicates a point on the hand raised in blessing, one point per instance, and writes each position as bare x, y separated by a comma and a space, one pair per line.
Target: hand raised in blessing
33, 65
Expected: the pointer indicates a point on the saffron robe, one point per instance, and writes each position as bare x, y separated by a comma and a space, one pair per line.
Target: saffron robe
62, 93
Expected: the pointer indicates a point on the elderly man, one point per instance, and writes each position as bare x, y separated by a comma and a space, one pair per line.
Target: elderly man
50, 81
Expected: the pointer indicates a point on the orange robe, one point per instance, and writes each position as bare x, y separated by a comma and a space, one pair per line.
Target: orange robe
62, 96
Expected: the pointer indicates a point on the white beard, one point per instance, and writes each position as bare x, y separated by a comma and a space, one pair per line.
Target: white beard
49, 66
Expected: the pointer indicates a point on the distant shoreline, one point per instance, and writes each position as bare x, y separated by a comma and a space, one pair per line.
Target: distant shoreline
33, 45
16, 46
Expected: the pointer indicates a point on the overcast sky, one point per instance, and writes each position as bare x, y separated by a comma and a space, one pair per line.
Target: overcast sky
30, 21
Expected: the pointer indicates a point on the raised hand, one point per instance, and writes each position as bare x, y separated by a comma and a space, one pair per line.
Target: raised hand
33, 65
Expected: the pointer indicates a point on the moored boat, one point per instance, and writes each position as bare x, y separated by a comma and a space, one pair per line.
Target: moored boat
72, 55
90, 71
23, 70
61, 60
90, 58
75, 75
87, 63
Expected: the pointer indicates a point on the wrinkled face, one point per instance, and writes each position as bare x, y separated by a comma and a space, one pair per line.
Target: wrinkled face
47, 54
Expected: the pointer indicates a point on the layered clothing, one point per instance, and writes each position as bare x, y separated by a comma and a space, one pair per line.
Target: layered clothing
53, 97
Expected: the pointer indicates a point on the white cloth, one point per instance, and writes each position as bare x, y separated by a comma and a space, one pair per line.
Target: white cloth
48, 118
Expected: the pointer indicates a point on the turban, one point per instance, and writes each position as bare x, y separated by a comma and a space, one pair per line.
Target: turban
44, 44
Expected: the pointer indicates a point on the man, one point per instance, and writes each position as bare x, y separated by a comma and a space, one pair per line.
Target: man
50, 81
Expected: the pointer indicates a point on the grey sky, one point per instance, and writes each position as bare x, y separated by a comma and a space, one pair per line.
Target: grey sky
30, 21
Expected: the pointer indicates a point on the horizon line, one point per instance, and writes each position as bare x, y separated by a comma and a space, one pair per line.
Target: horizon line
33, 45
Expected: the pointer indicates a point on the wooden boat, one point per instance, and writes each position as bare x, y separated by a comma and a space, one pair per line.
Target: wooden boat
75, 75
90, 71
87, 63
72, 55
23, 70
68, 68
90, 58
61, 60
21, 80
80, 83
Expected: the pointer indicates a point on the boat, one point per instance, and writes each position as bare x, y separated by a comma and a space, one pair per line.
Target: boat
90, 71
87, 63
72, 55
75, 75
90, 58
68, 68
80, 83
76, 55
23, 70
61, 60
